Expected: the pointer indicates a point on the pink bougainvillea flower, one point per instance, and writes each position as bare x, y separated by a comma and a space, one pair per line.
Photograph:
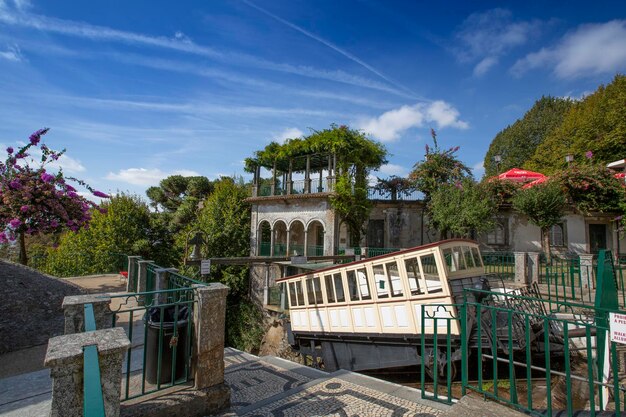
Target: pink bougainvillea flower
15, 223
36, 137
24, 209
69, 188
3, 238
45, 177
54, 224
15, 184
589, 154
101, 194
9, 150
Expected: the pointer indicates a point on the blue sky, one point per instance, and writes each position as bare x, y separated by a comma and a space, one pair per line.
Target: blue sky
140, 90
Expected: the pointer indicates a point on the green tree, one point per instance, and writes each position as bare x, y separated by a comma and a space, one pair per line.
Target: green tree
462, 209
544, 205
438, 168
225, 218
178, 198
121, 227
597, 123
517, 143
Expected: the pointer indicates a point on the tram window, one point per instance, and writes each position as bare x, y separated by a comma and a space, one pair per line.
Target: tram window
292, 294
413, 274
364, 286
330, 291
382, 287
314, 291
394, 279
299, 293
467, 254
447, 255
431, 273
476, 256
339, 288
457, 254
353, 288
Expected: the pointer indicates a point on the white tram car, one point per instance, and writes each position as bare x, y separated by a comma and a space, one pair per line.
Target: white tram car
367, 314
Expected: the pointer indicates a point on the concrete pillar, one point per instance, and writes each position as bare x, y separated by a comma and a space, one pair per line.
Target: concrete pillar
272, 241
306, 242
209, 320
255, 182
65, 359
162, 279
288, 249
142, 276
266, 284
74, 312
586, 270
131, 282
534, 269
520, 268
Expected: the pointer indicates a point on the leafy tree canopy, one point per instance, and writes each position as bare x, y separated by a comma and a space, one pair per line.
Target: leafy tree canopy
438, 168
173, 190
597, 124
517, 143
462, 208
350, 146
122, 227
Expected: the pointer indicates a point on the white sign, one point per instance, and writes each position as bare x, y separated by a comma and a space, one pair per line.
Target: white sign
205, 267
617, 326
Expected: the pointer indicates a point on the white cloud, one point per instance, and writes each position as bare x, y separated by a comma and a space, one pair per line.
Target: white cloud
12, 53
68, 164
484, 37
391, 124
591, 49
143, 176
65, 162
289, 133
478, 170
393, 169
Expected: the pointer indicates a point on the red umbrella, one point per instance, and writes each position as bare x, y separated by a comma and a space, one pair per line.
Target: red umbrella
520, 175
535, 182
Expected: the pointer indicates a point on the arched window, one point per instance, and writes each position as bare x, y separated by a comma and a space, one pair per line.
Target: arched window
557, 235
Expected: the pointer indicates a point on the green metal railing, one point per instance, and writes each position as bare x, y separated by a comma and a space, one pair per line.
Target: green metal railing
265, 249
315, 250
93, 401
379, 251
501, 264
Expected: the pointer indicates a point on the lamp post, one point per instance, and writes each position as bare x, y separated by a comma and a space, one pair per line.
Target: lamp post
196, 242
497, 159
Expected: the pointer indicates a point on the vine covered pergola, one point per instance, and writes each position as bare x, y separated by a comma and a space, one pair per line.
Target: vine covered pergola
347, 155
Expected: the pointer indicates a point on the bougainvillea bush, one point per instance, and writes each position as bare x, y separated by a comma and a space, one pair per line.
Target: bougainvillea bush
34, 200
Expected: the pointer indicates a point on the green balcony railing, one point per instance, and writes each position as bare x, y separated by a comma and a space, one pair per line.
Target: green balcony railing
501, 264
93, 401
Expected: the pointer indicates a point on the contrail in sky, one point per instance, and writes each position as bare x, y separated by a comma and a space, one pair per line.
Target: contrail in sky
330, 45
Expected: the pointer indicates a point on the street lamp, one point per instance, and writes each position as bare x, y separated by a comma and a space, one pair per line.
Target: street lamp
497, 159
196, 241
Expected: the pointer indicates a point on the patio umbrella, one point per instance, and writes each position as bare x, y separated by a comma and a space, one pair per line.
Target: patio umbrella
520, 175
535, 182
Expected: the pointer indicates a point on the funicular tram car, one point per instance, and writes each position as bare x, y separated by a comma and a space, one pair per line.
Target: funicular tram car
367, 314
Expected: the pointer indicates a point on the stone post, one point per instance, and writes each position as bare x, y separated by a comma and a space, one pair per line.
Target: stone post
520, 268
131, 282
534, 267
162, 279
586, 270
209, 321
142, 277
74, 312
65, 359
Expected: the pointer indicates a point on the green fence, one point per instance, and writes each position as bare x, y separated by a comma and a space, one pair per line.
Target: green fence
93, 400
541, 356
501, 264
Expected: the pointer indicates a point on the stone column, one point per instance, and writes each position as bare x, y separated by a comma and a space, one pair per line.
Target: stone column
74, 312
255, 182
142, 277
288, 243
209, 321
131, 282
586, 270
65, 359
306, 242
534, 268
520, 268
162, 279
272, 240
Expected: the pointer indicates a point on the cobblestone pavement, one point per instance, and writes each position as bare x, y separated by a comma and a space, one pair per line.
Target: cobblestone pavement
335, 397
